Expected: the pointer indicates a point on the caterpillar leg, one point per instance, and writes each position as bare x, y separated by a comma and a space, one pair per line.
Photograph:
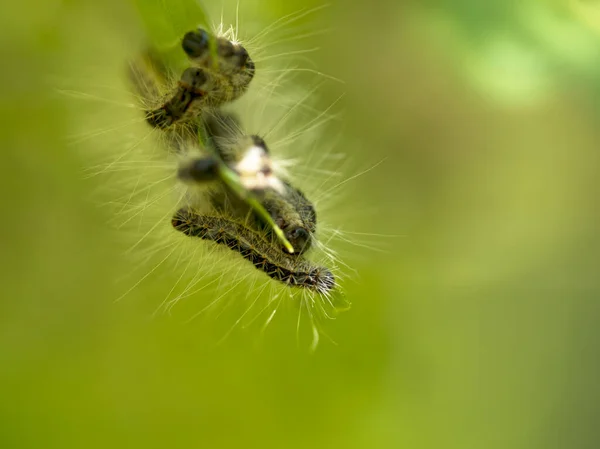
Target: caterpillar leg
228, 58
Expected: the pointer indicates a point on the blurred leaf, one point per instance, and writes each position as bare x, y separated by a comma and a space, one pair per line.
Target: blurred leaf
166, 21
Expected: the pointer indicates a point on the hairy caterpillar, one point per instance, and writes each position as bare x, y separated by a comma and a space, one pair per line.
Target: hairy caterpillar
216, 77
230, 63
264, 255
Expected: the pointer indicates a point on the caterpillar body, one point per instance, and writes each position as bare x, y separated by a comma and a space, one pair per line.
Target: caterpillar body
229, 62
264, 255
216, 77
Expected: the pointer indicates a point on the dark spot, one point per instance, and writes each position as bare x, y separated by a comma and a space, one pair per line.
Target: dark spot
259, 142
195, 43
200, 170
299, 238
193, 78
250, 67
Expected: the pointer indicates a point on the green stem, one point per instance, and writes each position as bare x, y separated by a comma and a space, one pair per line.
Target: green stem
232, 180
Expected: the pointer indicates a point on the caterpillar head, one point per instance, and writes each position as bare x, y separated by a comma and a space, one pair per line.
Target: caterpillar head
294, 214
231, 58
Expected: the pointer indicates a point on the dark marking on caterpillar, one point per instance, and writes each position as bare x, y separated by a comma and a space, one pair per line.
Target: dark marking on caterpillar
252, 246
200, 170
186, 101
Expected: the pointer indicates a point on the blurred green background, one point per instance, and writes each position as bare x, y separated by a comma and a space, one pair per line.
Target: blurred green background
477, 328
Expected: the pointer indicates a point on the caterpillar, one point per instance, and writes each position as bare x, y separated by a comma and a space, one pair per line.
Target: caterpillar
288, 269
186, 103
230, 62
215, 78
